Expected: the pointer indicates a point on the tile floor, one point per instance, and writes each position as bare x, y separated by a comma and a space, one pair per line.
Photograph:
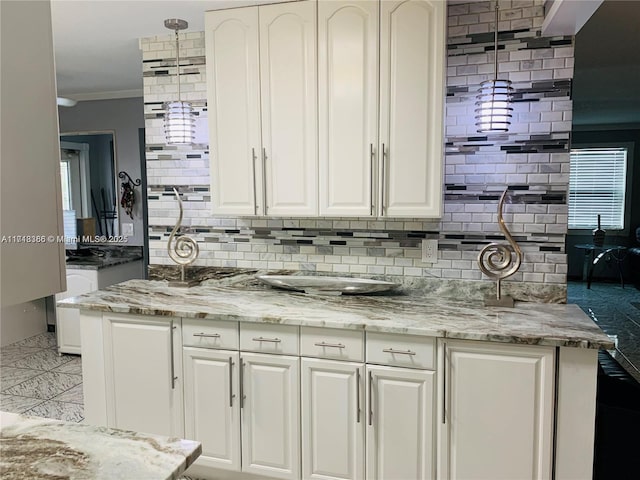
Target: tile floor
35, 380
617, 311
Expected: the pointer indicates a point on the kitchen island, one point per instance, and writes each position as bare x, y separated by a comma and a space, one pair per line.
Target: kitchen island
263, 377
33, 448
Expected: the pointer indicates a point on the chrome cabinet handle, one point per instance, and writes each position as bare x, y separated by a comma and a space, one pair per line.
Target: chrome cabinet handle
207, 335
383, 179
231, 395
358, 395
372, 159
242, 395
255, 188
332, 345
173, 365
263, 339
400, 352
444, 384
264, 179
370, 398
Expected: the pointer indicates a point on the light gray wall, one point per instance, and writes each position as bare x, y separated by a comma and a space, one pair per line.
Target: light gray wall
124, 116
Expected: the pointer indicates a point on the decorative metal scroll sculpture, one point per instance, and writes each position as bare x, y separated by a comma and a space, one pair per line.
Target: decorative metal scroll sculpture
184, 250
127, 194
496, 261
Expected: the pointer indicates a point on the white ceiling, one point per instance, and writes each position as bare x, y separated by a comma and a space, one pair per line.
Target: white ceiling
96, 41
97, 55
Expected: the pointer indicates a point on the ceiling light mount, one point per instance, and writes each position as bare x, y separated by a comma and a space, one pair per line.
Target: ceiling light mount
493, 101
179, 120
176, 24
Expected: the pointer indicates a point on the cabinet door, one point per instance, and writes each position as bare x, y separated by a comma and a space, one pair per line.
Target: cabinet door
143, 378
348, 106
289, 107
270, 415
212, 405
498, 405
333, 420
68, 319
233, 100
400, 416
412, 64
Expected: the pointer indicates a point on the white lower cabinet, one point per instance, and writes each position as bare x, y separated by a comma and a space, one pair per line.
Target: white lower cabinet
333, 420
270, 405
498, 411
212, 405
67, 319
143, 374
400, 423
79, 281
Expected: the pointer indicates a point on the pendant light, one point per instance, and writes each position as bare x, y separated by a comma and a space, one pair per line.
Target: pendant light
179, 120
493, 102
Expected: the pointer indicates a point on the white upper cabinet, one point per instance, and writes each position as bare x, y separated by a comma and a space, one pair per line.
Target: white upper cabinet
331, 108
289, 107
233, 101
262, 102
348, 106
412, 49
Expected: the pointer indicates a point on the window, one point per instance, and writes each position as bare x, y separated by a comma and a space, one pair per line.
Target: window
597, 182
65, 176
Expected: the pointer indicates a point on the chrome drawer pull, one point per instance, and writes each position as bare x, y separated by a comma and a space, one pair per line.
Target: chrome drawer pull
400, 352
325, 344
207, 335
262, 339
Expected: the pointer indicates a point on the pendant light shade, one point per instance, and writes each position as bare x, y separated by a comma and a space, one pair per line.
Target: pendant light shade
493, 101
179, 120
179, 123
493, 106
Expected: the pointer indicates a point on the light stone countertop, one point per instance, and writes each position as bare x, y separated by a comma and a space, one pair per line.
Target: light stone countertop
410, 313
39, 448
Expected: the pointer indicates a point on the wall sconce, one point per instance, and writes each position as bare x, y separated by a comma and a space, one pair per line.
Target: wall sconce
179, 120
493, 102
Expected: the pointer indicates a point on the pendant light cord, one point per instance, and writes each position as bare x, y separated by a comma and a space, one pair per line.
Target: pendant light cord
495, 47
178, 62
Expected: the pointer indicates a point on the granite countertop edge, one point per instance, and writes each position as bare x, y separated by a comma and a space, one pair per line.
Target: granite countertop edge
31, 445
527, 323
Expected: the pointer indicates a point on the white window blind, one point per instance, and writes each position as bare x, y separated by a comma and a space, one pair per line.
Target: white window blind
597, 181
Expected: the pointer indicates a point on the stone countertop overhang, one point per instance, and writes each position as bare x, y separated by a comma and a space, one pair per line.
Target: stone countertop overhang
404, 312
33, 447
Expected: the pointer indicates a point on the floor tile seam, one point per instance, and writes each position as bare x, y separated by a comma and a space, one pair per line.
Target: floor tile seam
636, 367
49, 383
2, 390
68, 389
47, 368
26, 398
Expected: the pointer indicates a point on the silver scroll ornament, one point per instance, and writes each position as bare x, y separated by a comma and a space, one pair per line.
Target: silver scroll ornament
497, 261
182, 249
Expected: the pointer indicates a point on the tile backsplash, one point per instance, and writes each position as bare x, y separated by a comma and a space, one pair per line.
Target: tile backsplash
532, 159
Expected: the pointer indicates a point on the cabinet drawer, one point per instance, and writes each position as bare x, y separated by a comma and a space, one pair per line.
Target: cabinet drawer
209, 334
332, 343
410, 351
260, 337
